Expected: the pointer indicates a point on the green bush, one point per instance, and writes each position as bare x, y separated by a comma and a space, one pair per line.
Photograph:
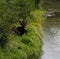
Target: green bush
28, 46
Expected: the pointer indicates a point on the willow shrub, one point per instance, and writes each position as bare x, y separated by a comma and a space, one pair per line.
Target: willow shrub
27, 46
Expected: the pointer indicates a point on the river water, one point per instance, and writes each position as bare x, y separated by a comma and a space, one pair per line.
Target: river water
51, 31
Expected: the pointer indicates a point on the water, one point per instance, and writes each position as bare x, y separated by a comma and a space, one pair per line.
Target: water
51, 47
51, 44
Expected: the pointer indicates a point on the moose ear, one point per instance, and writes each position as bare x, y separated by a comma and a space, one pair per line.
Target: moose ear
22, 22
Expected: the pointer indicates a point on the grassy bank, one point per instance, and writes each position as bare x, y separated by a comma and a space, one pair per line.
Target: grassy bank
29, 45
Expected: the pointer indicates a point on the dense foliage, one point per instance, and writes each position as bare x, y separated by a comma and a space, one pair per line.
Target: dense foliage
27, 46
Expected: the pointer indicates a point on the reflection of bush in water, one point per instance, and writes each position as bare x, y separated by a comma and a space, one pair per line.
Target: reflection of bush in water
53, 4
52, 21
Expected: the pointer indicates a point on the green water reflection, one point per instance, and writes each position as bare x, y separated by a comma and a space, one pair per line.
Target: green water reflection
53, 21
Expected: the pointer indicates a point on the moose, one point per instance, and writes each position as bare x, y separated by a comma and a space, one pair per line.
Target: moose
20, 30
